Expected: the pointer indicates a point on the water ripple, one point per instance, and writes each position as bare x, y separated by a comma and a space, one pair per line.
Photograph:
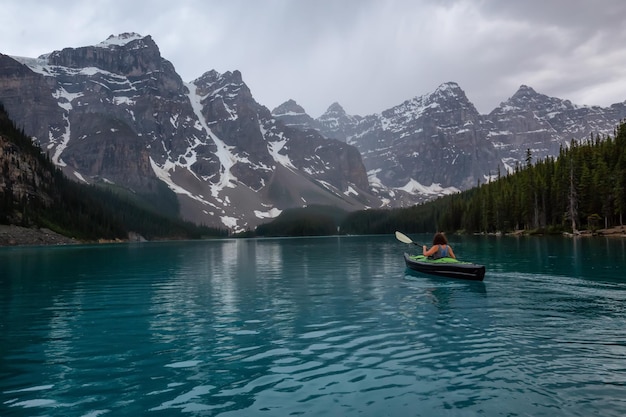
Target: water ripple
191, 329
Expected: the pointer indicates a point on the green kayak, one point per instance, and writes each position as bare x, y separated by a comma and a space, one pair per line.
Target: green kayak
445, 267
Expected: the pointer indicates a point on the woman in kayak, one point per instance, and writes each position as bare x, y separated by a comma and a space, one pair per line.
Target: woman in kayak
440, 248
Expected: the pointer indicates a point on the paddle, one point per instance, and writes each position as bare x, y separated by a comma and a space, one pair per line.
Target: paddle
405, 239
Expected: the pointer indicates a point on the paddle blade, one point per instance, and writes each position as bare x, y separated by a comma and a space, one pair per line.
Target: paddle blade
403, 238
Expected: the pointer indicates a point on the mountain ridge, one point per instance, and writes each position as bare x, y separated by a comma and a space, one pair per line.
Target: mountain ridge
444, 126
118, 113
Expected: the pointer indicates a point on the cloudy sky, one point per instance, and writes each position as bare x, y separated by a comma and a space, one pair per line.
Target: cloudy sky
368, 55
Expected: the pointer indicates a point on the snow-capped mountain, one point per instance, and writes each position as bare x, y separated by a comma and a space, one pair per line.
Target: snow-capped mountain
438, 143
529, 120
335, 123
293, 115
118, 113
431, 141
425, 147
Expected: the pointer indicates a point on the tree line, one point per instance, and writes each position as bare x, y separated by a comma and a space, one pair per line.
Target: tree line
581, 188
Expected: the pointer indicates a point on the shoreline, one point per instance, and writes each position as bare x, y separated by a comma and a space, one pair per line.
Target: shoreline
11, 235
616, 232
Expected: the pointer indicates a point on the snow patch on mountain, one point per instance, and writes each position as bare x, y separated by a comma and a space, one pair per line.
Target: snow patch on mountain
414, 187
274, 148
351, 190
270, 214
80, 177
37, 65
226, 157
290, 113
119, 40
164, 174
230, 222
60, 147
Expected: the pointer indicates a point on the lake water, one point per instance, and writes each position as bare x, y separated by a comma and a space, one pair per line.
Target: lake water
313, 326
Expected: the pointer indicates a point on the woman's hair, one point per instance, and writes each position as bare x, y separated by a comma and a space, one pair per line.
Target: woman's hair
440, 239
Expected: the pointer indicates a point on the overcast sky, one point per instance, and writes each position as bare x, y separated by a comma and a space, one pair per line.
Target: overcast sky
368, 55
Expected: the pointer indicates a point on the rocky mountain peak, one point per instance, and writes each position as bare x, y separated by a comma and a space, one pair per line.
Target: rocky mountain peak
447, 105
526, 90
121, 39
293, 115
208, 77
289, 108
235, 76
126, 54
335, 109
451, 94
525, 95
449, 90
228, 83
526, 99
334, 113
335, 123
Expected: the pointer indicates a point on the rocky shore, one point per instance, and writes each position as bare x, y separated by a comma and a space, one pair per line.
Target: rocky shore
18, 236
11, 235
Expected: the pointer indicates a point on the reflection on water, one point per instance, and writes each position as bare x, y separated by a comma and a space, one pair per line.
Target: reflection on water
304, 326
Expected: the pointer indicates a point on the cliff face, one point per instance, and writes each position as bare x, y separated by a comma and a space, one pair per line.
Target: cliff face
532, 121
432, 139
118, 113
31, 99
26, 176
21, 177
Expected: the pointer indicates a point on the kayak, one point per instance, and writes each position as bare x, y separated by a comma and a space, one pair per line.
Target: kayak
445, 267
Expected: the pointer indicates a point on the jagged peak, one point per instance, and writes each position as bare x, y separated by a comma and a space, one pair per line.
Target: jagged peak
520, 99
525, 91
212, 76
335, 108
526, 98
449, 86
233, 76
449, 90
121, 39
528, 94
524, 87
448, 95
288, 107
446, 92
112, 42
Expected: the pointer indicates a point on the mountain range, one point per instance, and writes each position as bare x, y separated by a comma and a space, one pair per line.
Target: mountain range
118, 114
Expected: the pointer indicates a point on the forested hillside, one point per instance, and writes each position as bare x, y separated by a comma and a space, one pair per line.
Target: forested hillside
582, 188
34, 193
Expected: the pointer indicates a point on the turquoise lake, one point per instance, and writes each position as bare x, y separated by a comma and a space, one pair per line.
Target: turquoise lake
332, 326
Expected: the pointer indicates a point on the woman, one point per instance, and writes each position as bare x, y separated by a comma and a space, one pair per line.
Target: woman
440, 248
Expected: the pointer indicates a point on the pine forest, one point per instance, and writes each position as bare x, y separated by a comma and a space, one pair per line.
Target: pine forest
583, 188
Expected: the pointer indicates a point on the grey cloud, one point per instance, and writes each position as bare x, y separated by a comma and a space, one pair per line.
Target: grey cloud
366, 54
